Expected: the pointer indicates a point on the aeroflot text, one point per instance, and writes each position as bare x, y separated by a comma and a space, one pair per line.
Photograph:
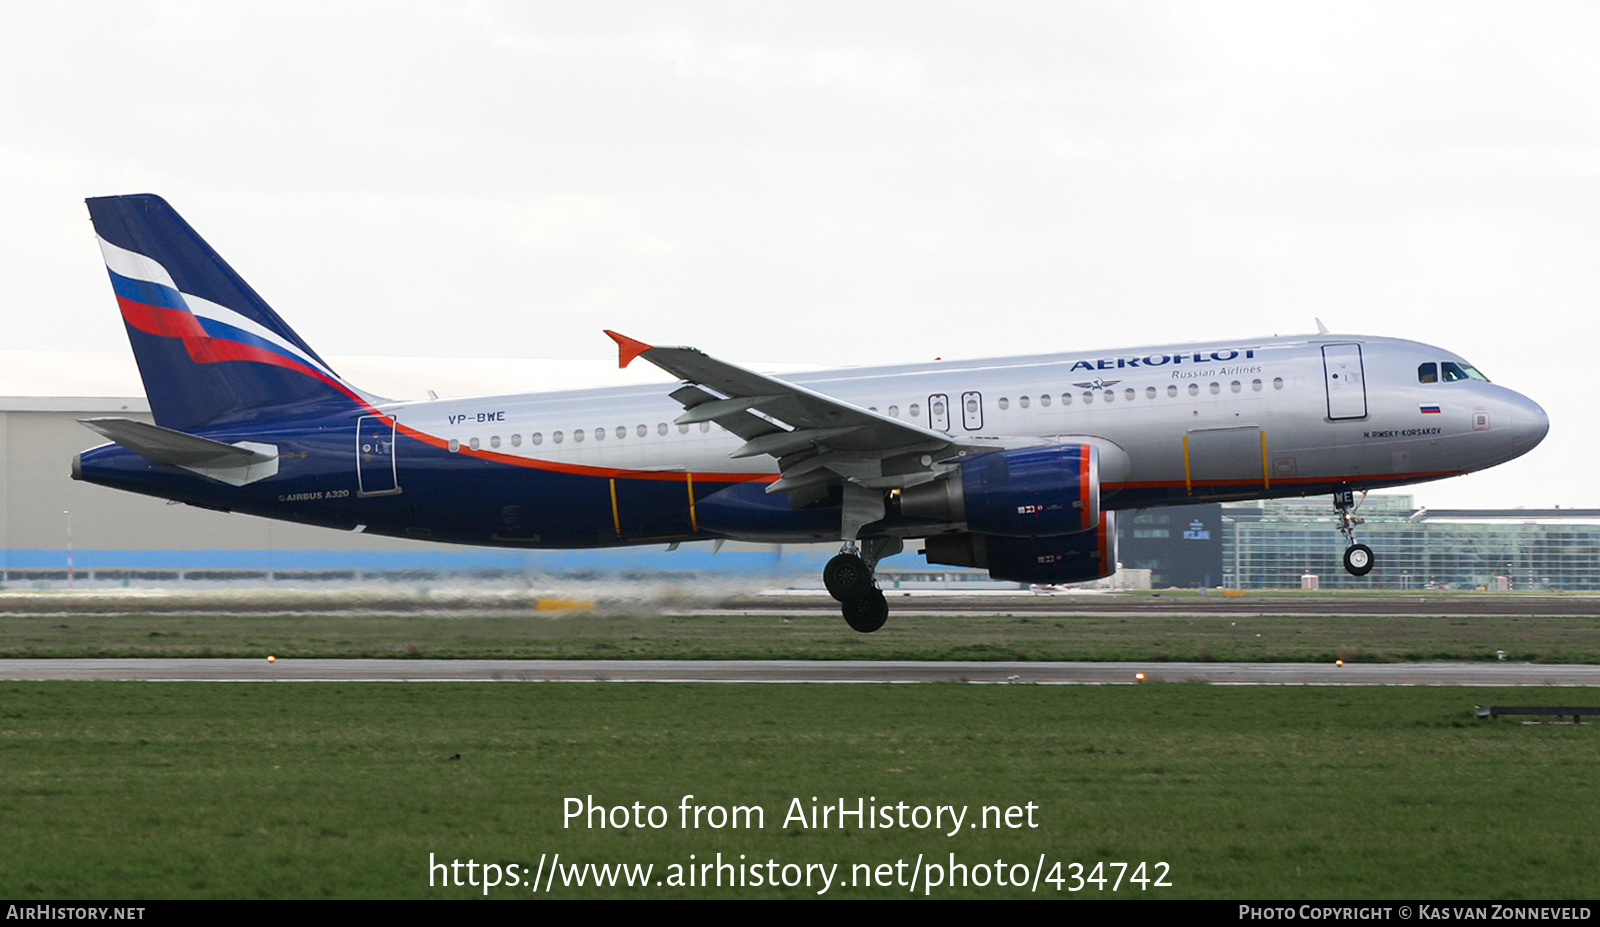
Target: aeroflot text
1162, 360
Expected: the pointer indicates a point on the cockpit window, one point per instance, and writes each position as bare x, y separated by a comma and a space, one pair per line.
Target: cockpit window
1454, 371
1428, 373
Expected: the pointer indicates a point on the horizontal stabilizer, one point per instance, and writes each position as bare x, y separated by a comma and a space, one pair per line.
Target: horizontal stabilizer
234, 464
164, 445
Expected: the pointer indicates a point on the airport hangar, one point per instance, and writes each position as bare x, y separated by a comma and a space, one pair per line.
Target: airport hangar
53, 527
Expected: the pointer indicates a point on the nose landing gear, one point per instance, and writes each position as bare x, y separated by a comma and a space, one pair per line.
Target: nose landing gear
1358, 558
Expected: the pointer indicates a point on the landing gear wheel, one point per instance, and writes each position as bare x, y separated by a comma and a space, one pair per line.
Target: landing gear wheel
848, 577
867, 613
1358, 559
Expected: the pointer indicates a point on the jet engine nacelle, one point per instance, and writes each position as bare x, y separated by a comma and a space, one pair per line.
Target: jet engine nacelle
1069, 558
1032, 492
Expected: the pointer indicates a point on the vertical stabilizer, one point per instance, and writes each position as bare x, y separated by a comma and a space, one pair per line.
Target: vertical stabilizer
210, 350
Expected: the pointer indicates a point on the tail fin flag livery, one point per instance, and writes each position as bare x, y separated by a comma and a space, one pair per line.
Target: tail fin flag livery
1013, 465
210, 350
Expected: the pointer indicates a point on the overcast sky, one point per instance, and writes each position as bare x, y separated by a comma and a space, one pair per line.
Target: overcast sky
843, 183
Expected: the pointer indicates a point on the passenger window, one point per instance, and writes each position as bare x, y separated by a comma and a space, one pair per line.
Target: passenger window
454, 445
1128, 394
643, 431
683, 429
1111, 395
894, 411
536, 438
516, 440
577, 435
1255, 385
1234, 386
1045, 400
1172, 391
1194, 389
1277, 382
916, 410
555, 437
1428, 373
705, 427
599, 434
1088, 397
1066, 399
473, 444
1023, 402
622, 431
661, 428
1150, 392
494, 441
1216, 388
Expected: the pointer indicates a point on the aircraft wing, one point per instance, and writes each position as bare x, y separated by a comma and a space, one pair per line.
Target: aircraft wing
818, 441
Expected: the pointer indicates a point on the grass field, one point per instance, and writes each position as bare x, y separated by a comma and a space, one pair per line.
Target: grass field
150, 790
1293, 638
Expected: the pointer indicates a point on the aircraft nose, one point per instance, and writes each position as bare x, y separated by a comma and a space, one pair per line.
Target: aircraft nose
1529, 424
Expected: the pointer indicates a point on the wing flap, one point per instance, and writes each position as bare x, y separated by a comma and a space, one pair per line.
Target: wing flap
819, 441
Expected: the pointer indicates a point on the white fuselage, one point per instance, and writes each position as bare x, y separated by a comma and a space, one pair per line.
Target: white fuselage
1242, 419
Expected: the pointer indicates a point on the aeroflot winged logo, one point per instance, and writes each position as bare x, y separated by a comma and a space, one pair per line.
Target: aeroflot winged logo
1166, 360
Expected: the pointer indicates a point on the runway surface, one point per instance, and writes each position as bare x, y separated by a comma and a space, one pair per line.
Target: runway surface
364, 601
802, 671
1215, 605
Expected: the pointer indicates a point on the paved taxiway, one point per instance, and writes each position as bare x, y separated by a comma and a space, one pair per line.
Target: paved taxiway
801, 671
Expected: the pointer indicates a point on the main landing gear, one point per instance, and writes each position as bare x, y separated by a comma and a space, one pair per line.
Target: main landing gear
848, 577
1358, 559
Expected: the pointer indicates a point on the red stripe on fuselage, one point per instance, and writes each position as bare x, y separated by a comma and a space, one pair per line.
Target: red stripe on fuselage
1301, 480
582, 469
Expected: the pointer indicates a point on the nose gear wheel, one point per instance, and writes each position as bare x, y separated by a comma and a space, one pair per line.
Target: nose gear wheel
1358, 557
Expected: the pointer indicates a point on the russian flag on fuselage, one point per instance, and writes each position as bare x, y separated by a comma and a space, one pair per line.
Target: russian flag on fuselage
210, 350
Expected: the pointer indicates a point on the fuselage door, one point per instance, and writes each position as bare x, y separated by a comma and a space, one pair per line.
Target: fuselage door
375, 463
939, 412
972, 411
1345, 380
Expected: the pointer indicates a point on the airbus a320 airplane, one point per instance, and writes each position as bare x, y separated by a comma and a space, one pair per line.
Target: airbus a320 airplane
1014, 465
